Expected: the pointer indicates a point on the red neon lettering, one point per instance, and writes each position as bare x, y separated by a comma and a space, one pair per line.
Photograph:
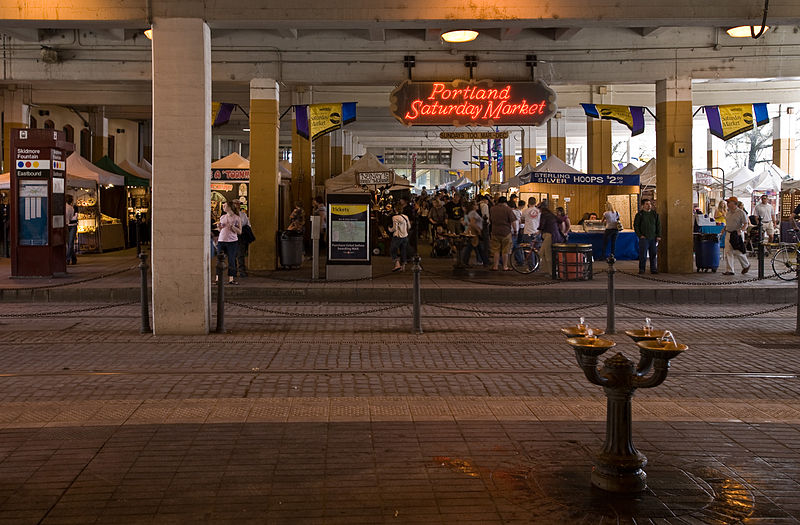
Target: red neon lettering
438, 87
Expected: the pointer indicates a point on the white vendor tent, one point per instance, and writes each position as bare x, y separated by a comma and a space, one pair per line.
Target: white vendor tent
5, 181
78, 167
515, 182
146, 165
647, 173
135, 170
554, 165
739, 176
347, 182
628, 169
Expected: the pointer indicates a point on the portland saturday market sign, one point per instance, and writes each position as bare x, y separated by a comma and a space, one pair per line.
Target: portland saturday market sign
473, 103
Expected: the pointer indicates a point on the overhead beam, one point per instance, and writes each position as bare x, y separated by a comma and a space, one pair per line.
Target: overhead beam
23, 34
510, 33
565, 33
377, 34
649, 31
433, 34
287, 32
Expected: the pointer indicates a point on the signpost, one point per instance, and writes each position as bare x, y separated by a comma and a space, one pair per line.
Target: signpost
349, 250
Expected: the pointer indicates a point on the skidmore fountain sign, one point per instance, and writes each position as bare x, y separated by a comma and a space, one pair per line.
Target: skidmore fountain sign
473, 103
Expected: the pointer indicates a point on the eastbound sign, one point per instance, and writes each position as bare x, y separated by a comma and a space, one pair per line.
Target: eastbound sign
473, 103
580, 178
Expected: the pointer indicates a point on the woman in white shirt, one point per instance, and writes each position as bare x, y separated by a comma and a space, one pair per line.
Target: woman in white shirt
611, 221
230, 226
399, 245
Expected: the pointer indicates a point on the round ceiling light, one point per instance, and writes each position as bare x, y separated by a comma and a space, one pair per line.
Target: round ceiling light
149, 33
745, 31
460, 35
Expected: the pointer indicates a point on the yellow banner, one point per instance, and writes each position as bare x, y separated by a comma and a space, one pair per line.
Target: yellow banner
324, 118
348, 209
621, 114
735, 119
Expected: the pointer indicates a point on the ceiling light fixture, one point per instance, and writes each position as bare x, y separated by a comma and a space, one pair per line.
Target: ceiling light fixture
460, 36
746, 31
149, 33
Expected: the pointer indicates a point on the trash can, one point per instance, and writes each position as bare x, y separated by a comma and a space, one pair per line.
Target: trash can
572, 262
706, 251
291, 249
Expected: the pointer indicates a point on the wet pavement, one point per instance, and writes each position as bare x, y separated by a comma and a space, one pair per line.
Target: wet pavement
310, 412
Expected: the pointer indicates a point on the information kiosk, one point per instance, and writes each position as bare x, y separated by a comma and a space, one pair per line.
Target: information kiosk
38, 226
349, 251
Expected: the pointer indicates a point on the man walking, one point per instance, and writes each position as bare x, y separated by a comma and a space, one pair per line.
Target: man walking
647, 226
766, 213
501, 218
735, 226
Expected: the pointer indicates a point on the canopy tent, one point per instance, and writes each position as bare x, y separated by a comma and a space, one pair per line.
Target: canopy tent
647, 173
234, 161
767, 181
628, 169
463, 183
5, 181
135, 170
789, 185
285, 169
515, 182
347, 182
740, 176
81, 168
146, 166
107, 164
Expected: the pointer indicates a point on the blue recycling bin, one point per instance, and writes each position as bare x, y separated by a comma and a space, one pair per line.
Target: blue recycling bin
706, 251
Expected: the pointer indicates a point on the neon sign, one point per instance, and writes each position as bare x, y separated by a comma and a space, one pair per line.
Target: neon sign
473, 103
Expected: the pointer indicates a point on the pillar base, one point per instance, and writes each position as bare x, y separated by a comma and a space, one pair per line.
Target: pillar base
620, 474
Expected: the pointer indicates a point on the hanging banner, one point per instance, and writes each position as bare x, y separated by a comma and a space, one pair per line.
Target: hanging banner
631, 116
414, 168
580, 178
473, 103
316, 120
347, 227
221, 113
730, 120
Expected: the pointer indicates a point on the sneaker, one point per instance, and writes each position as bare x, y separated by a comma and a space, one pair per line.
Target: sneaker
727, 273
233, 282
745, 270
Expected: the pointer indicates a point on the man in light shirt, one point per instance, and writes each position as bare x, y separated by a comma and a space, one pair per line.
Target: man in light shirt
766, 213
735, 226
530, 220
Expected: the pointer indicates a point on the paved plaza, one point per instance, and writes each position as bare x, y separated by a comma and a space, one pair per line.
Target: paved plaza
307, 412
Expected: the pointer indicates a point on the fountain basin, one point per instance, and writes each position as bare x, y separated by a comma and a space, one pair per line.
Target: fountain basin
575, 331
644, 335
590, 345
662, 349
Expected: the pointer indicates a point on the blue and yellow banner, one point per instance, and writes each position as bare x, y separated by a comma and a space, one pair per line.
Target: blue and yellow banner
631, 116
730, 120
316, 120
221, 113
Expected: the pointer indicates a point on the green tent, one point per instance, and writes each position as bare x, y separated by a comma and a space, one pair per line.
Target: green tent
130, 180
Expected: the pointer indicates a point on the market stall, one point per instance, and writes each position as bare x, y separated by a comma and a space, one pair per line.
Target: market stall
5, 186
118, 201
97, 231
230, 179
139, 200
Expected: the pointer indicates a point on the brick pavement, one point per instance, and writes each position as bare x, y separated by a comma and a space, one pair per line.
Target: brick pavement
308, 413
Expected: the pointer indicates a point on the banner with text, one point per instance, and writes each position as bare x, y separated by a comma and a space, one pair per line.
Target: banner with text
316, 120
580, 178
730, 120
631, 116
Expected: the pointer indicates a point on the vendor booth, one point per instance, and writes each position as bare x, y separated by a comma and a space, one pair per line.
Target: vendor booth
352, 228
121, 202
5, 187
97, 231
139, 200
230, 180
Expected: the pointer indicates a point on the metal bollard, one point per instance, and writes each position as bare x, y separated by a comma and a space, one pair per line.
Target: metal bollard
760, 250
220, 293
143, 297
610, 299
416, 269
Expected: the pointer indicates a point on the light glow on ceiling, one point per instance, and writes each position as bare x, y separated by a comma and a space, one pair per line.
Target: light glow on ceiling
745, 31
460, 35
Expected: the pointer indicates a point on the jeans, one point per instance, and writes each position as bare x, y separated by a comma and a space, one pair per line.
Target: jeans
648, 247
72, 233
467, 252
244, 249
399, 249
230, 249
610, 234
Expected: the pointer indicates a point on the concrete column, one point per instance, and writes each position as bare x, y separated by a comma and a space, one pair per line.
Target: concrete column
347, 150
509, 156
714, 148
98, 126
529, 146
674, 173
301, 168
598, 145
783, 141
264, 177
16, 114
336, 152
557, 137
322, 160
181, 176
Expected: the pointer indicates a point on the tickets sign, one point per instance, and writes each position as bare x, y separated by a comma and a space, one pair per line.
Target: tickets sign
473, 103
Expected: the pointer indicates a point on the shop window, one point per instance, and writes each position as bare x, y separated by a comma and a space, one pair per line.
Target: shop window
70, 133
49, 124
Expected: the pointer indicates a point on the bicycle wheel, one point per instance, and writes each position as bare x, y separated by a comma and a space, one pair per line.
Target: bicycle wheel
524, 259
784, 263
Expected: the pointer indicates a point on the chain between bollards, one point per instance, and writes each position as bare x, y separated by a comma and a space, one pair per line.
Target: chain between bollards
416, 269
220, 293
145, 305
610, 299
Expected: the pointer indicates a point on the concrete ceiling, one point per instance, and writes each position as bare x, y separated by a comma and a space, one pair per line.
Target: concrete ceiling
334, 51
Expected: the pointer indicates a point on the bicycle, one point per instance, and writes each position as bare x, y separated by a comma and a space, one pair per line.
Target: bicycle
786, 259
525, 258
